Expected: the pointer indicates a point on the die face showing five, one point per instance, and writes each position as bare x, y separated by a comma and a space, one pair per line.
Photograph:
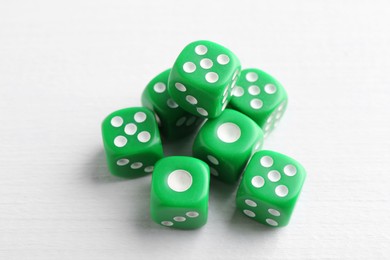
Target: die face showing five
132, 142
226, 144
180, 192
174, 122
270, 187
261, 97
202, 78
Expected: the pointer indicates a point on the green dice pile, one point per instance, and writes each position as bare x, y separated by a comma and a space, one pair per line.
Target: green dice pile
232, 110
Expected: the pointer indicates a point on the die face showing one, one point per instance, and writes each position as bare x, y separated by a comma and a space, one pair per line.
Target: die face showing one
175, 122
202, 78
180, 192
270, 187
131, 141
261, 97
226, 144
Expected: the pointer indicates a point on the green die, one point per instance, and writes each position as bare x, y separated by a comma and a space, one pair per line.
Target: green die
180, 192
174, 122
226, 144
131, 142
270, 187
202, 78
261, 97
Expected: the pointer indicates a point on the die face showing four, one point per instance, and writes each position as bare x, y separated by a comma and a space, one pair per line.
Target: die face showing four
180, 192
174, 122
270, 187
132, 142
226, 144
261, 97
202, 78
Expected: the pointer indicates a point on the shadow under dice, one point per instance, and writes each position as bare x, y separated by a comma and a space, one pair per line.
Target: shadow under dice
226, 144
270, 187
202, 78
180, 192
131, 142
174, 122
261, 97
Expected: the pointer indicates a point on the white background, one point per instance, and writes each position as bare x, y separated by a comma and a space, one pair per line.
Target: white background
65, 65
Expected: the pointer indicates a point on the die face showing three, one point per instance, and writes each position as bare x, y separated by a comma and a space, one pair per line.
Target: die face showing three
202, 78
175, 122
226, 144
270, 187
132, 142
180, 192
261, 97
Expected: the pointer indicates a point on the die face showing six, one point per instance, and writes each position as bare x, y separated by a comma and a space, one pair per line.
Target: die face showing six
261, 97
132, 142
180, 192
202, 78
226, 144
174, 122
270, 187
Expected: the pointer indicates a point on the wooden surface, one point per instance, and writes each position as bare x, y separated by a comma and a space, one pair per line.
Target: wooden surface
65, 65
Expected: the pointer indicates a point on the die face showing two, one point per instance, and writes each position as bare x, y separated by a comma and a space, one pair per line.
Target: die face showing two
226, 144
261, 97
270, 187
180, 192
131, 141
202, 78
175, 122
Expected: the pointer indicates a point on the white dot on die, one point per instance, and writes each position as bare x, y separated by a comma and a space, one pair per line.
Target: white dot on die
149, 169
251, 203
179, 180
120, 141
206, 63
211, 77
274, 212
192, 100
192, 214
202, 111
166, 223
223, 59
140, 117
251, 77
229, 132
281, 190
201, 50
122, 162
212, 159
213, 171
159, 87
274, 176
130, 129
257, 181
256, 103
143, 137
116, 121
171, 103
179, 219
290, 170
190, 121
249, 213
181, 121
180, 87
136, 165
271, 222
270, 89
189, 67
254, 90
238, 91
266, 161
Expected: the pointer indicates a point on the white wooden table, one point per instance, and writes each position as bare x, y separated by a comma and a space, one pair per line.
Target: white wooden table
65, 65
